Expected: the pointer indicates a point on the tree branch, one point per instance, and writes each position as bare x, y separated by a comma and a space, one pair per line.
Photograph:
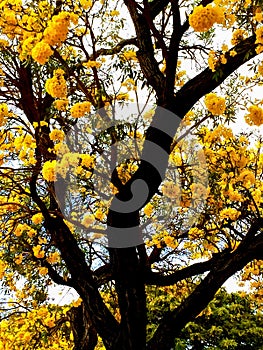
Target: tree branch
173, 322
189, 271
207, 80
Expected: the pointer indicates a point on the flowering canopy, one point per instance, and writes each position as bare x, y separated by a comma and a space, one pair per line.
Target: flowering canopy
67, 66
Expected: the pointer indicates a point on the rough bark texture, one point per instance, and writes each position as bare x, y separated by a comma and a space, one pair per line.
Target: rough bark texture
85, 334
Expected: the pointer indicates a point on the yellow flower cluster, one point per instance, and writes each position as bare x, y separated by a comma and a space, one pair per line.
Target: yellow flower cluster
170, 189
87, 160
212, 60
129, 55
148, 209
255, 116
195, 233
38, 252
53, 257
247, 178
56, 135
215, 104
37, 218
3, 113
79, 109
61, 104
229, 213
259, 40
237, 36
41, 52
203, 18
49, 170
57, 85
56, 32
88, 220
92, 64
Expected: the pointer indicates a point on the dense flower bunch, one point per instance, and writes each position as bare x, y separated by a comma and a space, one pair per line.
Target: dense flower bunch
56, 32
79, 109
255, 116
41, 52
203, 18
215, 104
57, 86
49, 170
237, 36
3, 113
259, 39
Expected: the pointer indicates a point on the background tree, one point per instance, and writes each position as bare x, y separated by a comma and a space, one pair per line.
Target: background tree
63, 61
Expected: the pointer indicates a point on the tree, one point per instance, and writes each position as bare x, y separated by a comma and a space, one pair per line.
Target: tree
231, 321
65, 68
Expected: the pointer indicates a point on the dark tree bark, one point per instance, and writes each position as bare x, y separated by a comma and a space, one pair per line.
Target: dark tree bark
85, 334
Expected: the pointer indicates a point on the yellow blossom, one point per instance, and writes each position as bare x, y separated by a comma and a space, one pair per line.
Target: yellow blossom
57, 86
48, 170
61, 104
237, 36
148, 209
255, 116
88, 220
56, 135
229, 213
203, 18
53, 258
41, 52
37, 218
43, 271
79, 109
38, 253
215, 104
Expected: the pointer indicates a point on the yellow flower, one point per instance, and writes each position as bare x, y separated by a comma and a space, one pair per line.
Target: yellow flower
57, 86
229, 213
129, 55
19, 259
148, 209
43, 271
48, 170
212, 60
92, 64
56, 32
114, 13
77, 302
238, 36
247, 178
203, 18
170, 189
259, 35
99, 214
88, 220
53, 258
87, 160
86, 4
56, 135
195, 233
79, 109
232, 53
37, 218
61, 104
38, 253
41, 52
255, 116
3, 113
215, 104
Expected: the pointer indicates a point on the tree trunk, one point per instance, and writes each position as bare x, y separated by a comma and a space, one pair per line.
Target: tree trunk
85, 335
